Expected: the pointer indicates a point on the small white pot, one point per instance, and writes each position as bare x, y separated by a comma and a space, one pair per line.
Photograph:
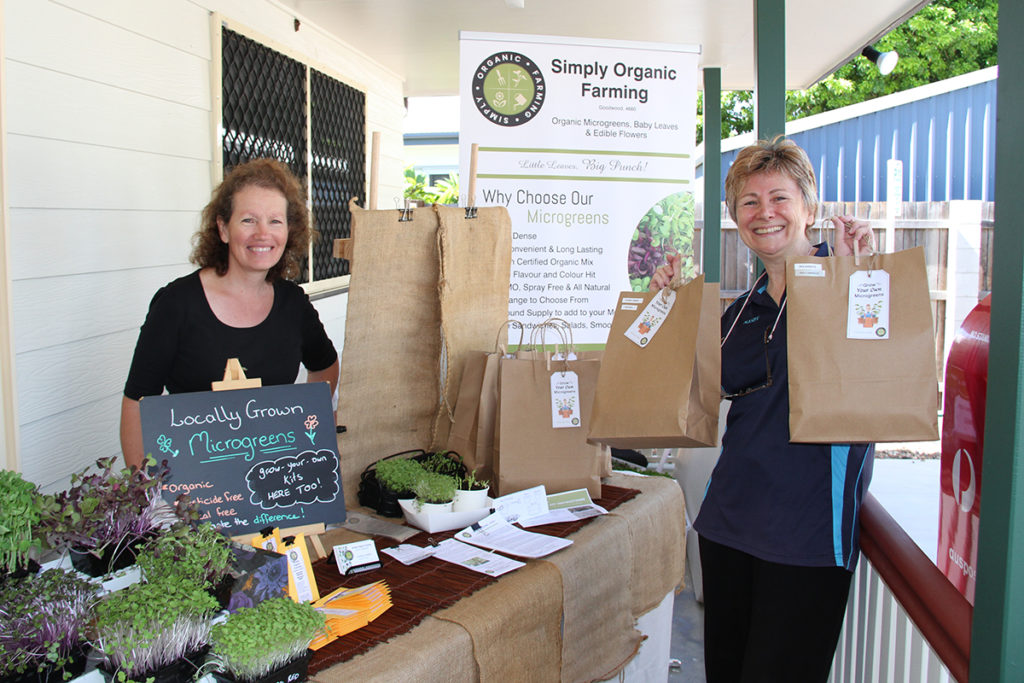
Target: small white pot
469, 500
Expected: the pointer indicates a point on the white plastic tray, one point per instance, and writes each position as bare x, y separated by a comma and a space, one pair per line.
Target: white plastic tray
442, 521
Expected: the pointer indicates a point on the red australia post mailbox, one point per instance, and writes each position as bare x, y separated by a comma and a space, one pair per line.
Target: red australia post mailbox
963, 427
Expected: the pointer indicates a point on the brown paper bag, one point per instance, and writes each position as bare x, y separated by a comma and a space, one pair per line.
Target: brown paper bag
528, 449
860, 390
538, 345
666, 394
462, 435
476, 405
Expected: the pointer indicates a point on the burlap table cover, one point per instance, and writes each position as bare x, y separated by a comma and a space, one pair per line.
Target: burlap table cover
656, 519
518, 636
599, 635
500, 633
436, 650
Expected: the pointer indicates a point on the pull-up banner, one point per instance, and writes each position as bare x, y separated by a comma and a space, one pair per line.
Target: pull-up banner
589, 144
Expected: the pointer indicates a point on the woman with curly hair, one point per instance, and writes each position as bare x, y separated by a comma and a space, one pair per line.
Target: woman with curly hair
238, 304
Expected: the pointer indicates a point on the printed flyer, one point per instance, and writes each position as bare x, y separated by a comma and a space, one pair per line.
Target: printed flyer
589, 144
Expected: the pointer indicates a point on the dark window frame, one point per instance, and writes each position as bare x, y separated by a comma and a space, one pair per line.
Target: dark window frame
276, 103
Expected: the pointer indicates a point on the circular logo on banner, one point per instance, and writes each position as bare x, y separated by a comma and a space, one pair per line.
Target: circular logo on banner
963, 495
508, 88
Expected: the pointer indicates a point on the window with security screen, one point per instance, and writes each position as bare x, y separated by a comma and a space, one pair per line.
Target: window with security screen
265, 114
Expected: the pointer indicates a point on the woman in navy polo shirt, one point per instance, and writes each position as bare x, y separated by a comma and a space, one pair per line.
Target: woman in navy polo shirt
779, 522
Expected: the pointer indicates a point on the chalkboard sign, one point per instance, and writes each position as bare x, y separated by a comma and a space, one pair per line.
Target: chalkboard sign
251, 458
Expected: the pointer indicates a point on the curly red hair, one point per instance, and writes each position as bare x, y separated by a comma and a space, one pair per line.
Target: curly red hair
210, 252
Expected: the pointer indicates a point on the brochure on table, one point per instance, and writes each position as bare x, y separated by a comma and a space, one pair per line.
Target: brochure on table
476, 559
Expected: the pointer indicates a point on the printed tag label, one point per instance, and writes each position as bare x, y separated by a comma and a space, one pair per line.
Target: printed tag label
301, 585
629, 307
808, 270
565, 400
868, 314
632, 300
268, 540
647, 323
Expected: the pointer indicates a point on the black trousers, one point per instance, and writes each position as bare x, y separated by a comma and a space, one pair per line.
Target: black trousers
769, 622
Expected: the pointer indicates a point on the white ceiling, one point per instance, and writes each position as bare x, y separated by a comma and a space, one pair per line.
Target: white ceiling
419, 39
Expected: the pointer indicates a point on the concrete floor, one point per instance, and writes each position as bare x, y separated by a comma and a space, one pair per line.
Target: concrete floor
687, 638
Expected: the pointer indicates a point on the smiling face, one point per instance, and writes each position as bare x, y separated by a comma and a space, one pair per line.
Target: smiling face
257, 231
772, 217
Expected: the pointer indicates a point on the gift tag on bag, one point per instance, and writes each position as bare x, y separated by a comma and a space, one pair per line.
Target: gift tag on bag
565, 399
867, 315
643, 329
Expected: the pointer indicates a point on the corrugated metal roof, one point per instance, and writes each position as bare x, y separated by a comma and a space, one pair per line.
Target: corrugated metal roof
944, 133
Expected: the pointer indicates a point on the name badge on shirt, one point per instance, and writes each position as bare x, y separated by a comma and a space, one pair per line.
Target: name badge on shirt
868, 309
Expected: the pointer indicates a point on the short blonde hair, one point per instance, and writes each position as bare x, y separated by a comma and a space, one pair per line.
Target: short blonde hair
778, 155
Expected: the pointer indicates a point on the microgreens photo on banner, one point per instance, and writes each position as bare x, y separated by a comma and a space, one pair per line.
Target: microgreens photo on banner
589, 145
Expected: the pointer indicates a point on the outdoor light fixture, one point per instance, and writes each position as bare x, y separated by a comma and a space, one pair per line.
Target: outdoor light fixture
885, 61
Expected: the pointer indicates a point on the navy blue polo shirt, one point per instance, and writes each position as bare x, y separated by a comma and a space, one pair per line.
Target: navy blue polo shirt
791, 503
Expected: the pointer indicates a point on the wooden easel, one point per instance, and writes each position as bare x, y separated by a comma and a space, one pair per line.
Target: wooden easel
234, 378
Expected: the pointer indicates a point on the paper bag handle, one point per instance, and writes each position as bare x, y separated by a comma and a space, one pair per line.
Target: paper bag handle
499, 347
856, 255
568, 330
674, 284
542, 327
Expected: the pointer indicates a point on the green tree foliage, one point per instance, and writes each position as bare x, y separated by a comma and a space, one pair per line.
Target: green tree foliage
737, 113
945, 38
445, 192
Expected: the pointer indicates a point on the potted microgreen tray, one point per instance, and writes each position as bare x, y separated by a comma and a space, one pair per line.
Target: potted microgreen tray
265, 644
43, 618
470, 493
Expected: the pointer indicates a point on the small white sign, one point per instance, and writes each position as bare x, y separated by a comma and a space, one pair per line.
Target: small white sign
893, 188
646, 325
868, 310
808, 270
565, 400
352, 557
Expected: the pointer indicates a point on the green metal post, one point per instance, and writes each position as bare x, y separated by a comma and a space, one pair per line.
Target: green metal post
712, 260
997, 632
770, 65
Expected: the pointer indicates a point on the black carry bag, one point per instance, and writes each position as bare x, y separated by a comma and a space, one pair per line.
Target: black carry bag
374, 495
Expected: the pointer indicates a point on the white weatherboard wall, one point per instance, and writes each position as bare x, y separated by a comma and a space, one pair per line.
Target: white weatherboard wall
109, 149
